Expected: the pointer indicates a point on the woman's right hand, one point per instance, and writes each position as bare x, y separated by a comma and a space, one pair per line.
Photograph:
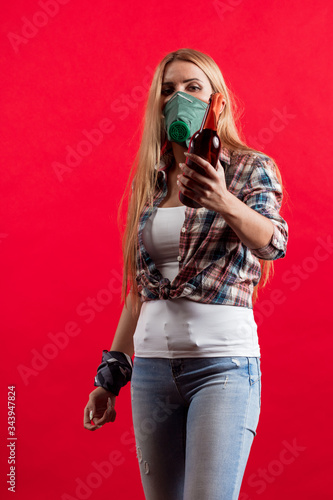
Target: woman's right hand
100, 409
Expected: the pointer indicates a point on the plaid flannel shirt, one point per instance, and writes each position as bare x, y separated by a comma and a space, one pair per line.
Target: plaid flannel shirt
214, 265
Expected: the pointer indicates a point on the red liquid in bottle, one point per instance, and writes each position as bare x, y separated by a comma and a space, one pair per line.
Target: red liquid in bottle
205, 143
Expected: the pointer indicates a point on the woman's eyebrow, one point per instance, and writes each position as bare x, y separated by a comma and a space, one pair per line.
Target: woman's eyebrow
185, 81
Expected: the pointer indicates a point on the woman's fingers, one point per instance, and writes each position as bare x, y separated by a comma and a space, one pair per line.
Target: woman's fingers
192, 179
109, 415
92, 421
209, 188
88, 412
200, 161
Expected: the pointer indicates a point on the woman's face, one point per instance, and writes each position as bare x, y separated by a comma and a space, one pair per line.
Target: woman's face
186, 77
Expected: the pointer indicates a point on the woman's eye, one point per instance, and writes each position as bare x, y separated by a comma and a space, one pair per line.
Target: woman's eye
167, 91
170, 90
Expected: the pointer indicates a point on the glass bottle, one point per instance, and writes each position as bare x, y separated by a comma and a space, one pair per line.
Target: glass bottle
205, 142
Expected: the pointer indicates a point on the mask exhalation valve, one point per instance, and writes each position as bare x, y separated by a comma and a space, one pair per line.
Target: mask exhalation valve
179, 131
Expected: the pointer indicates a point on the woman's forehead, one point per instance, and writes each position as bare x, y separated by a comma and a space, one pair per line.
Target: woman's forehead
176, 70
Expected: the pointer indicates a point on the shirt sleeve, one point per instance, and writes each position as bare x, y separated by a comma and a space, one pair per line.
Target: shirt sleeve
263, 193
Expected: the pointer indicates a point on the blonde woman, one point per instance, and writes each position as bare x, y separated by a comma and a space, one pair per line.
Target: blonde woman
193, 275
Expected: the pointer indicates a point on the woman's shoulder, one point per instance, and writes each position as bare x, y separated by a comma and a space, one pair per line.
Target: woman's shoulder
250, 156
248, 166
246, 161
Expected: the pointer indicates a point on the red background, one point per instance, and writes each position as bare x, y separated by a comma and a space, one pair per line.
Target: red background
92, 62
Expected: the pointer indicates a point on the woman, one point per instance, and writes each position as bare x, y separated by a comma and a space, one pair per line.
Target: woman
193, 273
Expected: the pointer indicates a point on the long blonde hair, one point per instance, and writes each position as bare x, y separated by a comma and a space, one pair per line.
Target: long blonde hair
142, 180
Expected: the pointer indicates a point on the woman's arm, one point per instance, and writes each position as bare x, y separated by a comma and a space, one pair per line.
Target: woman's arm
254, 229
100, 408
123, 338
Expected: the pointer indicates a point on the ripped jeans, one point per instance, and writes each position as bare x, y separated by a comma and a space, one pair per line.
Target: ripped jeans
194, 422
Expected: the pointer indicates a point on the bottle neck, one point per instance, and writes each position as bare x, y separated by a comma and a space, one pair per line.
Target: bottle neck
213, 111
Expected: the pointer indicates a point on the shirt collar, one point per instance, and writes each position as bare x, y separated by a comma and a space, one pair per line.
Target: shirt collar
225, 155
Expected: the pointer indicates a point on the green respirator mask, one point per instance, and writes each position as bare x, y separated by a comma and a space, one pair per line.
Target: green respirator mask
183, 115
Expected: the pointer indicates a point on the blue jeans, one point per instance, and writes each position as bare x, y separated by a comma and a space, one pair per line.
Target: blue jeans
194, 422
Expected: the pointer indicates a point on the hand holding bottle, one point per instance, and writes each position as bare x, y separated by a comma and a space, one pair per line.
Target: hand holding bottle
207, 188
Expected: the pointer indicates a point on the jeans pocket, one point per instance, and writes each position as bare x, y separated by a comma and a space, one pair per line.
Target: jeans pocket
254, 370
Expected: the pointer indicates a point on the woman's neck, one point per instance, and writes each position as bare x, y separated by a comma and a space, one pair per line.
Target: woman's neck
178, 153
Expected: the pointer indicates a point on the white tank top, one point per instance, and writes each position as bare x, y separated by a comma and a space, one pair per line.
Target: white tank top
180, 327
